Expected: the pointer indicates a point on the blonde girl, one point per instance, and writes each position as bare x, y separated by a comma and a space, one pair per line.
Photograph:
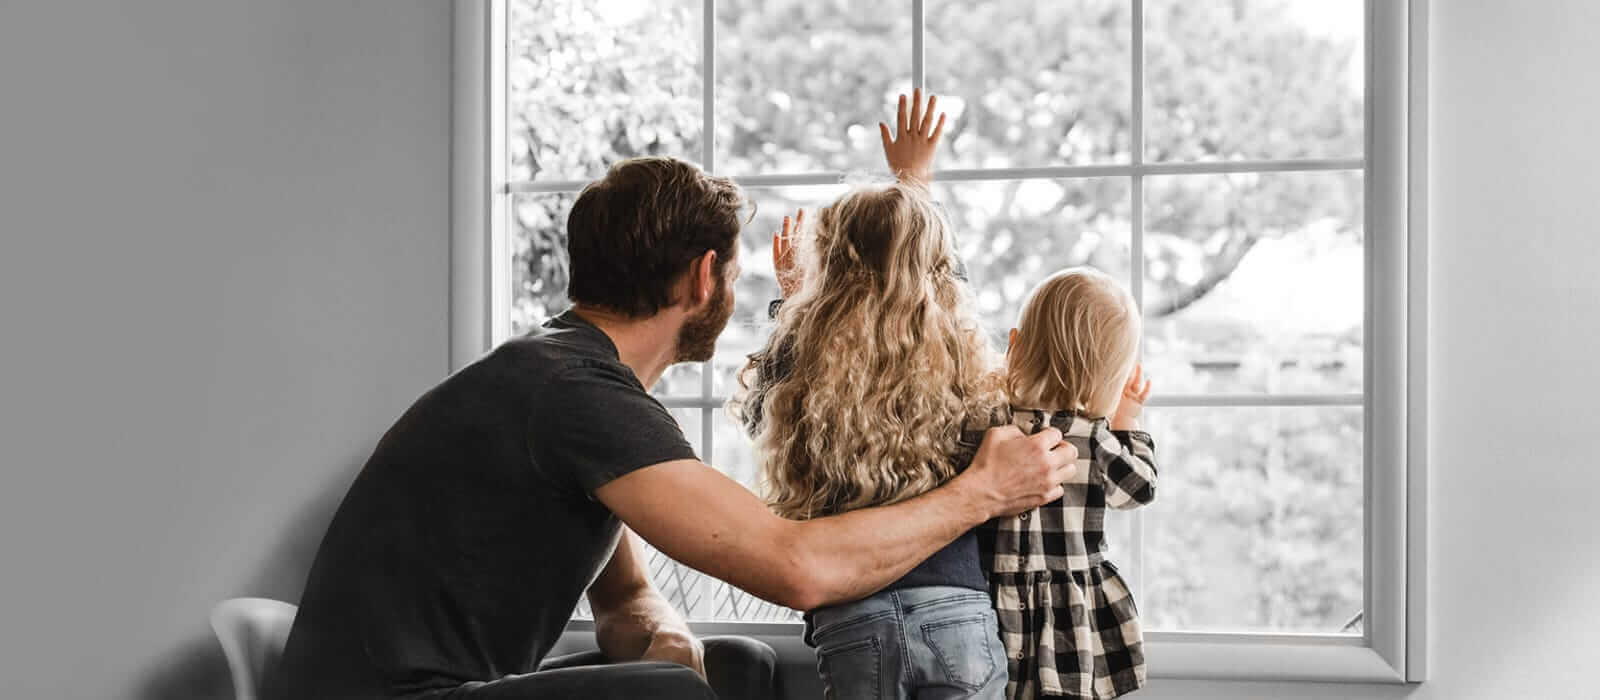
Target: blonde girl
1067, 619
859, 400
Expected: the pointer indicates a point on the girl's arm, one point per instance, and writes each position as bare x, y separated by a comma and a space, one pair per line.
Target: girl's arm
770, 364
1125, 456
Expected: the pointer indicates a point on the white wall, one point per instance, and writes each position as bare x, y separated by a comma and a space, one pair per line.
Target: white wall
223, 273
1516, 323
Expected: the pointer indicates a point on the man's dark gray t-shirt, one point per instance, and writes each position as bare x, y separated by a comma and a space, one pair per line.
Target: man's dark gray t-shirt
461, 549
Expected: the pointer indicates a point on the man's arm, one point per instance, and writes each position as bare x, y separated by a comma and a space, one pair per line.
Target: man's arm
702, 518
631, 619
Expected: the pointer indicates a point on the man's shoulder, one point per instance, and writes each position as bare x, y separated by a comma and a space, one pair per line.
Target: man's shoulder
554, 354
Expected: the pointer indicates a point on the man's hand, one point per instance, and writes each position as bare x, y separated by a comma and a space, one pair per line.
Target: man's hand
1013, 472
677, 648
1134, 396
783, 255
631, 619
910, 151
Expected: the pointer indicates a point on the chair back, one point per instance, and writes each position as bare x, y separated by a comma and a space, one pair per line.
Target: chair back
252, 632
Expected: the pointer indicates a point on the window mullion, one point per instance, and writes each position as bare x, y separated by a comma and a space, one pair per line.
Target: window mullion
1051, 172
708, 86
708, 155
1136, 240
919, 77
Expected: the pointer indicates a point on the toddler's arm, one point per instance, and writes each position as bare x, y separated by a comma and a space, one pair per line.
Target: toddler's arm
1125, 456
1125, 463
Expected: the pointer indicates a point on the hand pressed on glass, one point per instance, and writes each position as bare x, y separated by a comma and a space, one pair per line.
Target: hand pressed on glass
911, 149
1134, 396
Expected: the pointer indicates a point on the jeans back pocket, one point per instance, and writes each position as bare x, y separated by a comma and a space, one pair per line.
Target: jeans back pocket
965, 648
851, 670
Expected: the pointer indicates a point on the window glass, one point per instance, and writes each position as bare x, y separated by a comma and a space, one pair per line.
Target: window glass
1253, 79
802, 84
590, 82
1252, 282
1257, 520
1032, 83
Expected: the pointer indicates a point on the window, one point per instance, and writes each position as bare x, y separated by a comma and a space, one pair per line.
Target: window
1241, 165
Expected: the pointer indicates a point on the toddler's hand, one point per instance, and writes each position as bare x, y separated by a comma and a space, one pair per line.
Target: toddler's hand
1134, 394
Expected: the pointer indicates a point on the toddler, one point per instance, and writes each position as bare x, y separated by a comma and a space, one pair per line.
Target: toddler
1067, 619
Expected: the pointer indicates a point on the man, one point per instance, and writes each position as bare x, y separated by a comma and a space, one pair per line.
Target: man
459, 553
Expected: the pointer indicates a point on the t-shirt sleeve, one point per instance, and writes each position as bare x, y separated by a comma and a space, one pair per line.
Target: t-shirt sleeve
593, 423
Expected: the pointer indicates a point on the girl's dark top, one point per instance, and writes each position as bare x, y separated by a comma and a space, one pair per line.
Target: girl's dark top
462, 547
955, 565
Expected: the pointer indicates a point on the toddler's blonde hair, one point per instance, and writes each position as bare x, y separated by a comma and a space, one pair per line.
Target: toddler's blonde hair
1077, 340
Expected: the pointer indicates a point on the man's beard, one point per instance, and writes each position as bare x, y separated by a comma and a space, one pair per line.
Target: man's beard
697, 339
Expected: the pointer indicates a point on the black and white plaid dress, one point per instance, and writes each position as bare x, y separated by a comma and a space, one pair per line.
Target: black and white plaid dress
1067, 619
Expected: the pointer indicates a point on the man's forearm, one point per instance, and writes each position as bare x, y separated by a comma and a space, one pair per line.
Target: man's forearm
732, 536
626, 631
852, 555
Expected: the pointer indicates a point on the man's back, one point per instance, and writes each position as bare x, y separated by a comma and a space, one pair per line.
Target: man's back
462, 547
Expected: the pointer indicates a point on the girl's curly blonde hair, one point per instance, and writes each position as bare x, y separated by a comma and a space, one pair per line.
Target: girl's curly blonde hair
875, 364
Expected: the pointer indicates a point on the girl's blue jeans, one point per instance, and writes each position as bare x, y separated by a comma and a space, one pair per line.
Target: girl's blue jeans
927, 643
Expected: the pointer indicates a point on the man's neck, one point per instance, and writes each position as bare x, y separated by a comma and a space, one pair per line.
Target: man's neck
647, 346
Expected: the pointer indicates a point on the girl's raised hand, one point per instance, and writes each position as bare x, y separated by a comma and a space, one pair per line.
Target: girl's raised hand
910, 150
783, 254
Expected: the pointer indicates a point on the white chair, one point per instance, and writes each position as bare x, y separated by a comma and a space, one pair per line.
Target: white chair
252, 632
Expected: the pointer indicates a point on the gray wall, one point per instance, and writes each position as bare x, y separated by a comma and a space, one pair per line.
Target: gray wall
223, 274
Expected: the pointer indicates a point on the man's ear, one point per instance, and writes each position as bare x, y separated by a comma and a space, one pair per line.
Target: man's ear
702, 278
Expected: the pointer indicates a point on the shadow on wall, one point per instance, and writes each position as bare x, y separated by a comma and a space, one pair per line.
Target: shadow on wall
195, 669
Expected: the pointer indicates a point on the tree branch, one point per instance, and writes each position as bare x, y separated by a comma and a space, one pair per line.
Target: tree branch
1222, 267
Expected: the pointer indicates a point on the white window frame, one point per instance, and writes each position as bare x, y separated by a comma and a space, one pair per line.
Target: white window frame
1391, 647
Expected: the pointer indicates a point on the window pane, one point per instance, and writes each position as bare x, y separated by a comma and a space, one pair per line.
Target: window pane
538, 258
680, 380
733, 453
701, 598
1257, 521
801, 86
1014, 233
1031, 83
590, 82
1254, 283
690, 421
1253, 79
749, 328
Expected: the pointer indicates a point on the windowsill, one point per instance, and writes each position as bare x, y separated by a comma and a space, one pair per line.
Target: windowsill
1171, 655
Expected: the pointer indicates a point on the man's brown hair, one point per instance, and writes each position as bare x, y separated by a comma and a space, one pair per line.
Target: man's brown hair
634, 231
